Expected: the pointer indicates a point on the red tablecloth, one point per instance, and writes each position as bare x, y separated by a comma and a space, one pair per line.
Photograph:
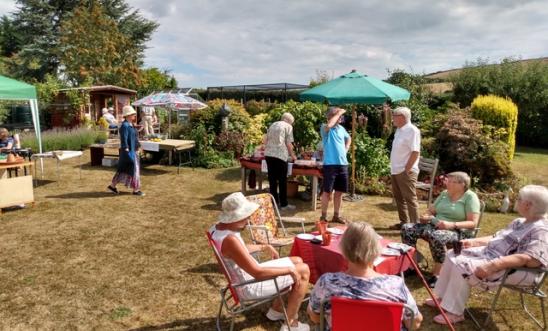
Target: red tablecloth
322, 259
255, 164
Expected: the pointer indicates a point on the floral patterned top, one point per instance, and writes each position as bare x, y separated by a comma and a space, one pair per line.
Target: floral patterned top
279, 134
384, 288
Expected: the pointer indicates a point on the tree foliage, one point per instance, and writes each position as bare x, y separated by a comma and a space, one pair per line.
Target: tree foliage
32, 40
525, 83
93, 49
153, 80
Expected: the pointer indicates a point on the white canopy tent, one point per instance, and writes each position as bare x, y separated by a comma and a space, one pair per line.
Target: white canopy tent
11, 89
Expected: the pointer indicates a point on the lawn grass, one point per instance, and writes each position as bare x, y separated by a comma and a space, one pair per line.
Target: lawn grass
84, 259
531, 164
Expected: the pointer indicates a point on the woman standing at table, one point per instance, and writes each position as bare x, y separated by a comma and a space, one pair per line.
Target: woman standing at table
128, 171
278, 149
360, 246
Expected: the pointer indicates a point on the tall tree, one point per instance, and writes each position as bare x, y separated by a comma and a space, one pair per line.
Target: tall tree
39, 24
93, 49
154, 79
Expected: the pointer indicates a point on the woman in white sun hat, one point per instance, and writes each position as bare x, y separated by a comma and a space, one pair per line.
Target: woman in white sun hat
128, 171
290, 271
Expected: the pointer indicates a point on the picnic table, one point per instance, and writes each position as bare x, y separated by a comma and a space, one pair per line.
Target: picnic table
310, 169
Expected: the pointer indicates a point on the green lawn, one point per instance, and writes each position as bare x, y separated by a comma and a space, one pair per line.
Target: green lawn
84, 259
531, 164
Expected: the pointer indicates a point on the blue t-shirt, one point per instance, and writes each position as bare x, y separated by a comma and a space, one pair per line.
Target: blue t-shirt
334, 151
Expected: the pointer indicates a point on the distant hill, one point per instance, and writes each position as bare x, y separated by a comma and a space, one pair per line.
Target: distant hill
444, 75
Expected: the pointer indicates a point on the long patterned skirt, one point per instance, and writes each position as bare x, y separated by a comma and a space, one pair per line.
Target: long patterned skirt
133, 182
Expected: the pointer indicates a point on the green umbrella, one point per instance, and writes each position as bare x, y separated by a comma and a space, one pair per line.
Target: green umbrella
355, 88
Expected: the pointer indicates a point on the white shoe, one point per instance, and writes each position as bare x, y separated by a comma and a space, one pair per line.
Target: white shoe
288, 207
300, 327
273, 315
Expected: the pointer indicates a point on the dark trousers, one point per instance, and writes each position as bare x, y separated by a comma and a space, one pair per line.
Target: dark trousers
277, 177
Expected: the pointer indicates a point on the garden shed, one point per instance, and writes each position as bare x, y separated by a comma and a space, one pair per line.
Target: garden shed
72, 105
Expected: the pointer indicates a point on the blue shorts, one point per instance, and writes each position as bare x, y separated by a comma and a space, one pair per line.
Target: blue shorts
335, 177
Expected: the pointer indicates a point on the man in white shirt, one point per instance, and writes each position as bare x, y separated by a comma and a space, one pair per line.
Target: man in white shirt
404, 166
148, 115
111, 120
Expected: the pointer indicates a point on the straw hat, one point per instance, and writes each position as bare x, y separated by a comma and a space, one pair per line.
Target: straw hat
236, 208
104, 110
128, 110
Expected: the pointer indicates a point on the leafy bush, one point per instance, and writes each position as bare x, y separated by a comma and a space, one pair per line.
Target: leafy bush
372, 159
254, 107
230, 141
239, 119
308, 118
256, 130
526, 84
206, 156
61, 139
500, 113
464, 144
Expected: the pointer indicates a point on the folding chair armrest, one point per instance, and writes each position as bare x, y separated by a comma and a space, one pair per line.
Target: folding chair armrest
289, 219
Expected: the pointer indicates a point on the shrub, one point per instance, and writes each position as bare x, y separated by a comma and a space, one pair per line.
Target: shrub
500, 113
257, 129
230, 141
372, 159
308, 118
239, 119
464, 144
61, 139
254, 107
206, 156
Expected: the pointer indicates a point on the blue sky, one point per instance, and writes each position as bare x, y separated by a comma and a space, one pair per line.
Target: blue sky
218, 42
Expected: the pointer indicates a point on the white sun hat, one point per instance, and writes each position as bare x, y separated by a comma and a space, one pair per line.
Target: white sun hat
236, 207
128, 110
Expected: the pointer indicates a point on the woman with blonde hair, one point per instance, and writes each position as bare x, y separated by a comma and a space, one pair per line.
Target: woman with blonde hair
360, 246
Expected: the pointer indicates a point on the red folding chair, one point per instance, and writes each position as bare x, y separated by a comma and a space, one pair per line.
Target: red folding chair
361, 315
233, 304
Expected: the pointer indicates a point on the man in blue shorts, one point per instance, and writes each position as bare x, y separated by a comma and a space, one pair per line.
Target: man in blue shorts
336, 142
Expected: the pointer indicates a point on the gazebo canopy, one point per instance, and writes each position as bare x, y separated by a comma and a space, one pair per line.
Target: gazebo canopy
11, 89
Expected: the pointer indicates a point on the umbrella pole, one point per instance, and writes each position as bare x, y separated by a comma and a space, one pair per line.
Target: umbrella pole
353, 196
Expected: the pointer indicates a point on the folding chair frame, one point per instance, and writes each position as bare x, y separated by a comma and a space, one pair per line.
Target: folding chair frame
534, 290
229, 296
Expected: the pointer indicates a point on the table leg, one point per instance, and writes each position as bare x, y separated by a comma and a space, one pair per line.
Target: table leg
260, 180
170, 156
314, 192
243, 177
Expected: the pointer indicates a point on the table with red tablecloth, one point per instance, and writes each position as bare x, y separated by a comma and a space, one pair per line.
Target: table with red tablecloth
322, 259
314, 171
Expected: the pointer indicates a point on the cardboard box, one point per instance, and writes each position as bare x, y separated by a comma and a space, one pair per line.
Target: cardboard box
109, 162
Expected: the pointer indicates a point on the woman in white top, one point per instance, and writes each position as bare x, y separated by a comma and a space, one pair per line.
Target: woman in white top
290, 271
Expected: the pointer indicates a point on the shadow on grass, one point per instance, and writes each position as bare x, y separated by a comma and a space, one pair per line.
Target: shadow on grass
204, 323
205, 268
85, 195
386, 206
42, 182
229, 175
145, 171
216, 201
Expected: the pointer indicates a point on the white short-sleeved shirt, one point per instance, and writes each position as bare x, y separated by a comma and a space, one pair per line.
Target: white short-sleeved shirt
278, 136
407, 139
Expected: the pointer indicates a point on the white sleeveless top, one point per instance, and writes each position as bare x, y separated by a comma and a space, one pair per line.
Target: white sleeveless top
237, 274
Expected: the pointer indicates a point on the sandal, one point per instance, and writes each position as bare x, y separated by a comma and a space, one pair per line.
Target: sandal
431, 303
452, 318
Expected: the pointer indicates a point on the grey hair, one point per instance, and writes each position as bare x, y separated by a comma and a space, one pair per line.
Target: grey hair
406, 112
537, 195
359, 243
287, 117
462, 177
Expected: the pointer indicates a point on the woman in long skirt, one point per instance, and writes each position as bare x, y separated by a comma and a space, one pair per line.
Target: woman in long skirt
128, 164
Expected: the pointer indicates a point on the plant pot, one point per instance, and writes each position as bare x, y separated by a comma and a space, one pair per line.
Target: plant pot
292, 188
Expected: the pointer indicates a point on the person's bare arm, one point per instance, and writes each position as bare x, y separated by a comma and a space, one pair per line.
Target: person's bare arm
233, 249
291, 151
470, 223
506, 262
334, 120
412, 159
347, 143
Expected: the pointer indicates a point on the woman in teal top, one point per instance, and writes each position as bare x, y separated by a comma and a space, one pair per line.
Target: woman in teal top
457, 209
